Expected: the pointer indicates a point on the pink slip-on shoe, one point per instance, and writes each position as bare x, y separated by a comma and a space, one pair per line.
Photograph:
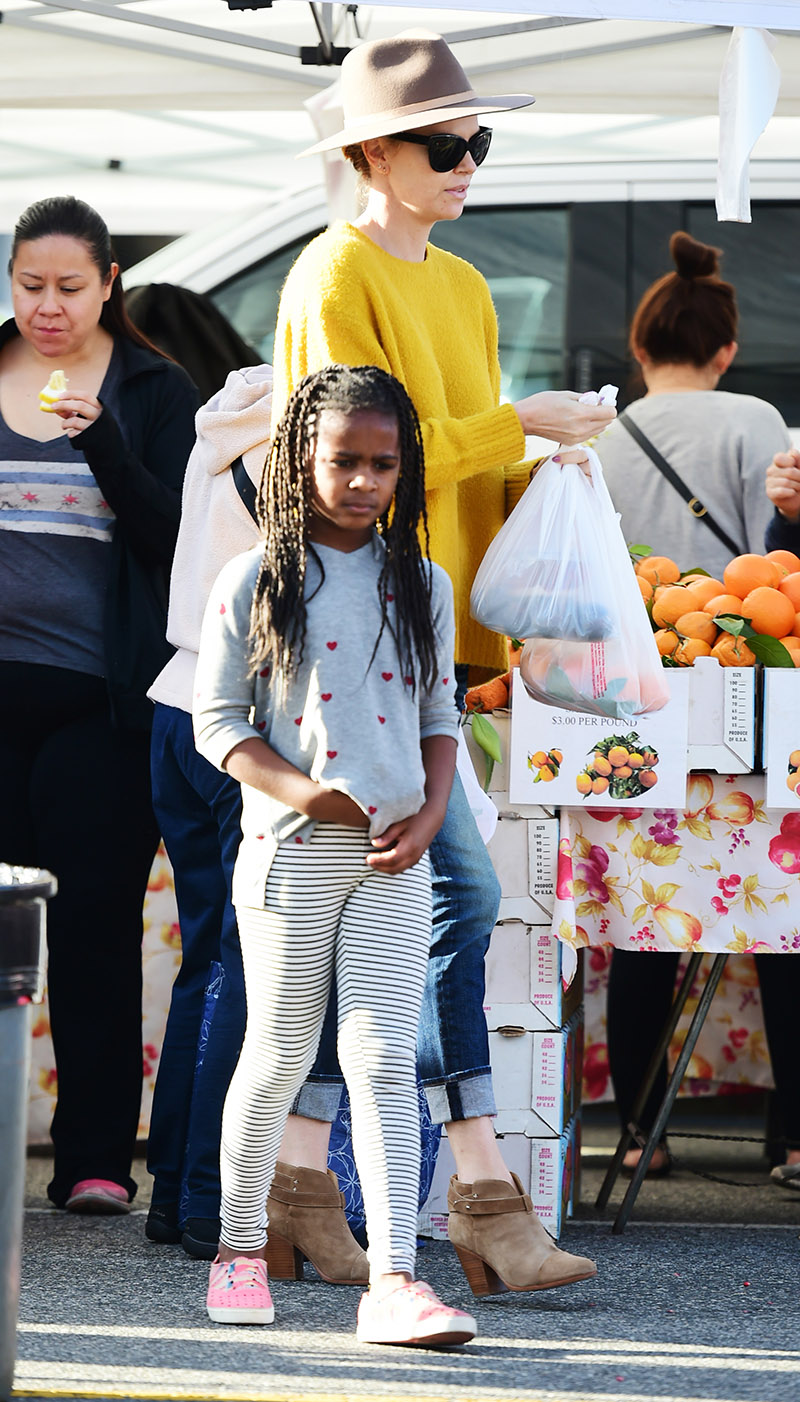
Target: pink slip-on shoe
98, 1195
412, 1314
238, 1292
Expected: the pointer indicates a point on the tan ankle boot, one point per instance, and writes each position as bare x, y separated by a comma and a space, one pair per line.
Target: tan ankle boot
501, 1243
306, 1220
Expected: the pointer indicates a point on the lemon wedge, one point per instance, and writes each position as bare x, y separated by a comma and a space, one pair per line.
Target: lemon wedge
52, 391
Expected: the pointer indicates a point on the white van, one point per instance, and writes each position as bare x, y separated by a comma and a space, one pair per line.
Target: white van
567, 251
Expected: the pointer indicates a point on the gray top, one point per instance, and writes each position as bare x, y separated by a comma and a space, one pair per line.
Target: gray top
55, 529
349, 728
720, 444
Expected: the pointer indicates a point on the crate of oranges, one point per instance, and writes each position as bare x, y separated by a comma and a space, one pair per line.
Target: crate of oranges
750, 615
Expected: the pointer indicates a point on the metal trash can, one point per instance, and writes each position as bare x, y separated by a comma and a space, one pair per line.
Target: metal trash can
24, 892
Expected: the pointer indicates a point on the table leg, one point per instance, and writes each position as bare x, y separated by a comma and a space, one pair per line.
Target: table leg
660, 1123
629, 1135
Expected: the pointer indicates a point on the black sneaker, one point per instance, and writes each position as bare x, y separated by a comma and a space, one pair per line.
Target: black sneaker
162, 1224
201, 1238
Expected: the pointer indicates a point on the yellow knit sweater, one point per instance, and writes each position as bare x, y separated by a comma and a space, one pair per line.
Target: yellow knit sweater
433, 326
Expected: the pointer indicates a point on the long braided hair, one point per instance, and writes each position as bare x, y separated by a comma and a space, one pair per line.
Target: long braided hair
278, 617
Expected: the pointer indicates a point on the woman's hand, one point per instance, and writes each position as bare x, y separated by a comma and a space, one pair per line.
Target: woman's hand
559, 414
783, 484
578, 455
76, 411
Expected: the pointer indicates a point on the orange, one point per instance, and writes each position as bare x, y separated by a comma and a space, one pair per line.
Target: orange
667, 641
635, 760
546, 773
790, 586
792, 780
600, 764
689, 649
702, 589
769, 611
659, 569
646, 588
583, 783
538, 759
784, 559
669, 606
794, 759
647, 778
697, 624
748, 572
724, 603
733, 652
796, 628
624, 771
599, 785
791, 642
617, 755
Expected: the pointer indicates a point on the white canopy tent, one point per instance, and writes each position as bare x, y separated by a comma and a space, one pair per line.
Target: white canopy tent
166, 114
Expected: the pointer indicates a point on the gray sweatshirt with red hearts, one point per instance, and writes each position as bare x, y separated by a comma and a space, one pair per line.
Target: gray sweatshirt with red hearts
348, 725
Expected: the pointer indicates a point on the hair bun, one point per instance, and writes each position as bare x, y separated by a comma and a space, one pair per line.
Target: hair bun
692, 258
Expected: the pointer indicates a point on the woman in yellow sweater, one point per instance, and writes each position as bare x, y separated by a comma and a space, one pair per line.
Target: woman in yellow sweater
376, 292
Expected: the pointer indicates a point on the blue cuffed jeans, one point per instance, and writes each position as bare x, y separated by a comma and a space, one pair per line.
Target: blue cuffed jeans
199, 812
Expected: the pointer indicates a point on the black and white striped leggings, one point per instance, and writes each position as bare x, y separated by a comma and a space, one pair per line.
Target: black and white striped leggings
325, 912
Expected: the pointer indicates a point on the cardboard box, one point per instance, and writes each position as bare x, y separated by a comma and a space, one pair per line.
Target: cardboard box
537, 1077
524, 853
722, 716
781, 736
524, 962
548, 1167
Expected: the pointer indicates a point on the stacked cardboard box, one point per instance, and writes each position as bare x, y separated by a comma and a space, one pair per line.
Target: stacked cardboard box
535, 1025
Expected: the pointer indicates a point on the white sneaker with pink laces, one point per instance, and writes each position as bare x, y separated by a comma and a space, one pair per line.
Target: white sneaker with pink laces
412, 1314
238, 1292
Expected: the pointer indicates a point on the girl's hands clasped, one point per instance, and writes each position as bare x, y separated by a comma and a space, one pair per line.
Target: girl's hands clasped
403, 843
76, 411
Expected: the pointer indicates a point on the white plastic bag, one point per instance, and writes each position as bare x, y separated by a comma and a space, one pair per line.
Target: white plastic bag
558, 575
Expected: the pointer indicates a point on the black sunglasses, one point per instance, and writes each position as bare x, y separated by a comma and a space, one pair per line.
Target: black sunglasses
445, 152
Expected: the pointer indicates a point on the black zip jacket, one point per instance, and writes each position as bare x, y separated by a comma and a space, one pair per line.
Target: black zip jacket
139, 464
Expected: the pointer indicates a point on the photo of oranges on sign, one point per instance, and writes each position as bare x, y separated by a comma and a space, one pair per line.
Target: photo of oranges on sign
793, 777
545, 764
621, 766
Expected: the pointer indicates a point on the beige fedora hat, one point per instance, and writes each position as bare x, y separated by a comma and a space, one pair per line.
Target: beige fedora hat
412, 80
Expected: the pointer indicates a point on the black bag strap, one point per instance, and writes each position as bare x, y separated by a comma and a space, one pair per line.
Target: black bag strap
695, 505
244, 486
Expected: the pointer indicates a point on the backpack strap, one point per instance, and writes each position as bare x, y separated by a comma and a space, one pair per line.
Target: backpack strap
696, 507
244, 486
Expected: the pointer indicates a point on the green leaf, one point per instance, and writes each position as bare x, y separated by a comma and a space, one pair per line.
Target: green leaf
770, 651
696, 569
733, 623
639, 552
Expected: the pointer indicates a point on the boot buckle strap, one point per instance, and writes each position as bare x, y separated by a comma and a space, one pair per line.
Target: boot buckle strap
478, 1207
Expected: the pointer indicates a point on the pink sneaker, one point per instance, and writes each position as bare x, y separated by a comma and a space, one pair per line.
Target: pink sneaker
98, 1195
412, 1314
238, 1292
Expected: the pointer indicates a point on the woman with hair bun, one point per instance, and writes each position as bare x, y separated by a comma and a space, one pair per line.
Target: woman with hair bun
89, 511
683, 335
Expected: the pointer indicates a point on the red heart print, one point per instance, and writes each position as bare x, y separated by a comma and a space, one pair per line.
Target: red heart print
222, 608
298, 720
372, 809
298, 839
331, 753
264, 672
259, 837
390, 598
326, 695
332, 646
387, 676
409, 681
262, 725
445, 680
382, 720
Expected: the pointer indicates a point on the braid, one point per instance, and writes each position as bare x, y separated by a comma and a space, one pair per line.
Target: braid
278, 617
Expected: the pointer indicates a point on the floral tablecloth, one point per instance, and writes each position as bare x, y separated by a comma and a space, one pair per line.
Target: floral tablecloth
723, 874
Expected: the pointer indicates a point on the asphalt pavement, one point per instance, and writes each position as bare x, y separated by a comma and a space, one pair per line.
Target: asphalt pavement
697, 1299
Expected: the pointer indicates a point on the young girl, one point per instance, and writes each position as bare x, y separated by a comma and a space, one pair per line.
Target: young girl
325, 686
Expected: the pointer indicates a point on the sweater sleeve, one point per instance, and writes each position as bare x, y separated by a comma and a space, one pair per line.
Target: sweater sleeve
437, 710
144, 491
332, 325
782, 534
224, 686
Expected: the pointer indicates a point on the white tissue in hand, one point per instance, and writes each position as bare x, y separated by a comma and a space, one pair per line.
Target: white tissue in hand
606, 395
